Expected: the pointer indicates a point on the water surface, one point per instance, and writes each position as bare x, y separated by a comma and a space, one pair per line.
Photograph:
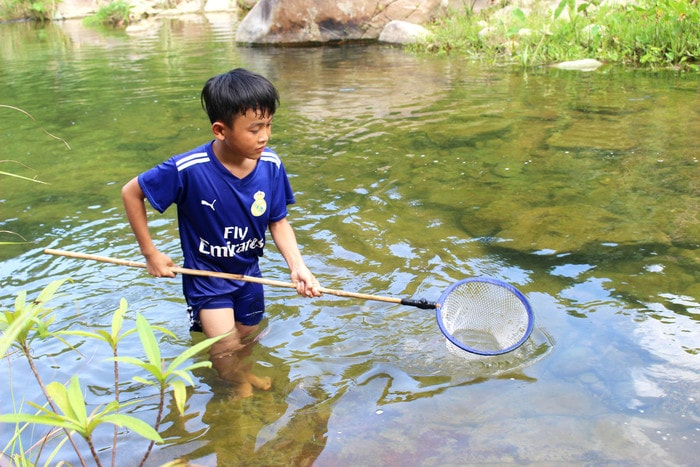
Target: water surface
411, 172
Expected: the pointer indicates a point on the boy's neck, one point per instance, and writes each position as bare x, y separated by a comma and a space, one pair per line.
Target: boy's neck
239, 166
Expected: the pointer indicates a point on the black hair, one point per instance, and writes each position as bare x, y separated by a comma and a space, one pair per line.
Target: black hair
234, 93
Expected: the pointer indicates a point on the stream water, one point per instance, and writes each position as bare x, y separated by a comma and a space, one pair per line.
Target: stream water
411, 172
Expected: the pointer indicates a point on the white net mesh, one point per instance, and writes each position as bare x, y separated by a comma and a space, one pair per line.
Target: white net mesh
484, 317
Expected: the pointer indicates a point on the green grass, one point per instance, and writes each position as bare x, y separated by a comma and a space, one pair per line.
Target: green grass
656, 33
115, 14
35, 10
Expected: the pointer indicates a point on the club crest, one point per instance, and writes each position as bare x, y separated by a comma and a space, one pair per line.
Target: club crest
259, 205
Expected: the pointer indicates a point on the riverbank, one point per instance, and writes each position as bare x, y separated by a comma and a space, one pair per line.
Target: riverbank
648, 33
144, 9
134, 10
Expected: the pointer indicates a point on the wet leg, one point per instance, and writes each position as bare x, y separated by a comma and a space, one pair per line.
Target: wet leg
228, 356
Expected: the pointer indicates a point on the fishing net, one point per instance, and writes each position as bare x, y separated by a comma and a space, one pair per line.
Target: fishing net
484, 316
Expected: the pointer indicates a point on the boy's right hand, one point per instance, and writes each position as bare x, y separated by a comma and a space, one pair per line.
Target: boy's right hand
159, 264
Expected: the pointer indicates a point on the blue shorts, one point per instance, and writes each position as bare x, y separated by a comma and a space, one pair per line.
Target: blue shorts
248, 303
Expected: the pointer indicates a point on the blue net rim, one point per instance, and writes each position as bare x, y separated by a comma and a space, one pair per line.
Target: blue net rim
489, 280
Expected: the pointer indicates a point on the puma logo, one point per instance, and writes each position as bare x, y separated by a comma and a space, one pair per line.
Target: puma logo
211, 205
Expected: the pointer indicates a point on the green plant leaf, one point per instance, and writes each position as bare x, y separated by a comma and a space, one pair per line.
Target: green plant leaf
141, 380
70, 401
194, 350
77, 401
118, 319
14, 327
560, 9
99, 334
148, 340
180, 395
30, 316
113, 337
183, 374
49, 291
197, 365
165, 331
59, 395
134, 424
519, 15
37, 419
155, 370
20, 301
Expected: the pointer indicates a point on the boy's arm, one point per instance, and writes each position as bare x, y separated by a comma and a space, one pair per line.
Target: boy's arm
286, 242
158, 264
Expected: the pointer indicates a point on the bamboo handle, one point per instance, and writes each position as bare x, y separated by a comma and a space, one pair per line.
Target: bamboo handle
221, 275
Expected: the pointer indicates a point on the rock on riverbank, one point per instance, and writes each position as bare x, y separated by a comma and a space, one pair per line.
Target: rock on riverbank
307, 21
296, 21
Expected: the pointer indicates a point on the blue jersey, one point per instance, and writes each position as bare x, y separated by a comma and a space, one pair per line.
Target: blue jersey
222, 219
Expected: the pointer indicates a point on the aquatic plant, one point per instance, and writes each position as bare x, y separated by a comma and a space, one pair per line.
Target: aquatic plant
66, 408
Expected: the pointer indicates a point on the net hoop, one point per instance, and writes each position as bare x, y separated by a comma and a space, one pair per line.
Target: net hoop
523, 312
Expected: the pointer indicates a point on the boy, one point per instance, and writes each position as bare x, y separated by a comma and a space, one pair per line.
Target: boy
228, 192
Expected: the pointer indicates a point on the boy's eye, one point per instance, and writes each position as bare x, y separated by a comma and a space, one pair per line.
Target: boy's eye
259, 127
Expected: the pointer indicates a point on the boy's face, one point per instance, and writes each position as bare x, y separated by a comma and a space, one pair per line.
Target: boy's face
247, 137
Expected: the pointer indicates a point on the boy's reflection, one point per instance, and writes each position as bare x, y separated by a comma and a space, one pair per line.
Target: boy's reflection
284, 425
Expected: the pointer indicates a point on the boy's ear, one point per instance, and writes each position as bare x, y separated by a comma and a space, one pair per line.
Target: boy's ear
218, 129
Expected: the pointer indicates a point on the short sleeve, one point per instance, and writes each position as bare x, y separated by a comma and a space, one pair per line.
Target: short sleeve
283, 196
161, 185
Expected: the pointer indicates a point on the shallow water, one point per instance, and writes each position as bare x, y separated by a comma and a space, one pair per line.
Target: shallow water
411, 172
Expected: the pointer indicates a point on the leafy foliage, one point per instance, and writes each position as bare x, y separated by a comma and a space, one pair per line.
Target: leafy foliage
116, 14
653, 33
37, 10
66, 408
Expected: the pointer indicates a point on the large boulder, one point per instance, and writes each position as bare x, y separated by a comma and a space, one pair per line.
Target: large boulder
316, 21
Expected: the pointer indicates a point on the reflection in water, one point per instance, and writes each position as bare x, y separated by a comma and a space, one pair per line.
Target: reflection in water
411, 173
283, 426
233, 366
